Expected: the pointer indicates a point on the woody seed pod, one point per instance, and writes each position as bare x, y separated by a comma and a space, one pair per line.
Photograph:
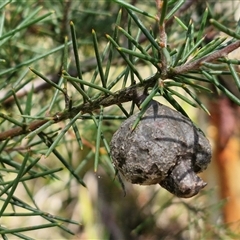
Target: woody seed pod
165, 148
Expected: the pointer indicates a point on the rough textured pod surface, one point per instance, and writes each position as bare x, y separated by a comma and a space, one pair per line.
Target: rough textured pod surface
164, 148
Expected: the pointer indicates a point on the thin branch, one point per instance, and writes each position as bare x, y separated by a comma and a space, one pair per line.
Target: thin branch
121, 96
161, 6
210, 58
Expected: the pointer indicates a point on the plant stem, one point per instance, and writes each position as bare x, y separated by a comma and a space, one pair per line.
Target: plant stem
124, 95
210, 58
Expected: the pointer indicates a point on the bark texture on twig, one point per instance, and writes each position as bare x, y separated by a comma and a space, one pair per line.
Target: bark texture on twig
121, 96
193, 65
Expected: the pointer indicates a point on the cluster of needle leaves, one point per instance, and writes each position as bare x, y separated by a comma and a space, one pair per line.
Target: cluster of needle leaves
30, 135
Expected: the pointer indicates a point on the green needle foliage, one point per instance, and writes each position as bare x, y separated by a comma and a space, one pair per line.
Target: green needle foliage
70, 72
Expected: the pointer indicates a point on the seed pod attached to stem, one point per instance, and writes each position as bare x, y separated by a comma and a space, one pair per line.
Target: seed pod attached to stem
165, 148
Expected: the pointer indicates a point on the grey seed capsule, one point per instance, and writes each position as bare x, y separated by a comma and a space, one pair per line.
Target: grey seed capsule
165, 148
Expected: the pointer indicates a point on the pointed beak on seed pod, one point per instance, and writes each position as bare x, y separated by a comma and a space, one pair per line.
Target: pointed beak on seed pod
182, 181
165, 148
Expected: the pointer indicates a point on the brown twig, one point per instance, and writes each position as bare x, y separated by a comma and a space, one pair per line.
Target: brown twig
193, 65
121, 96
162, 37
161, 27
